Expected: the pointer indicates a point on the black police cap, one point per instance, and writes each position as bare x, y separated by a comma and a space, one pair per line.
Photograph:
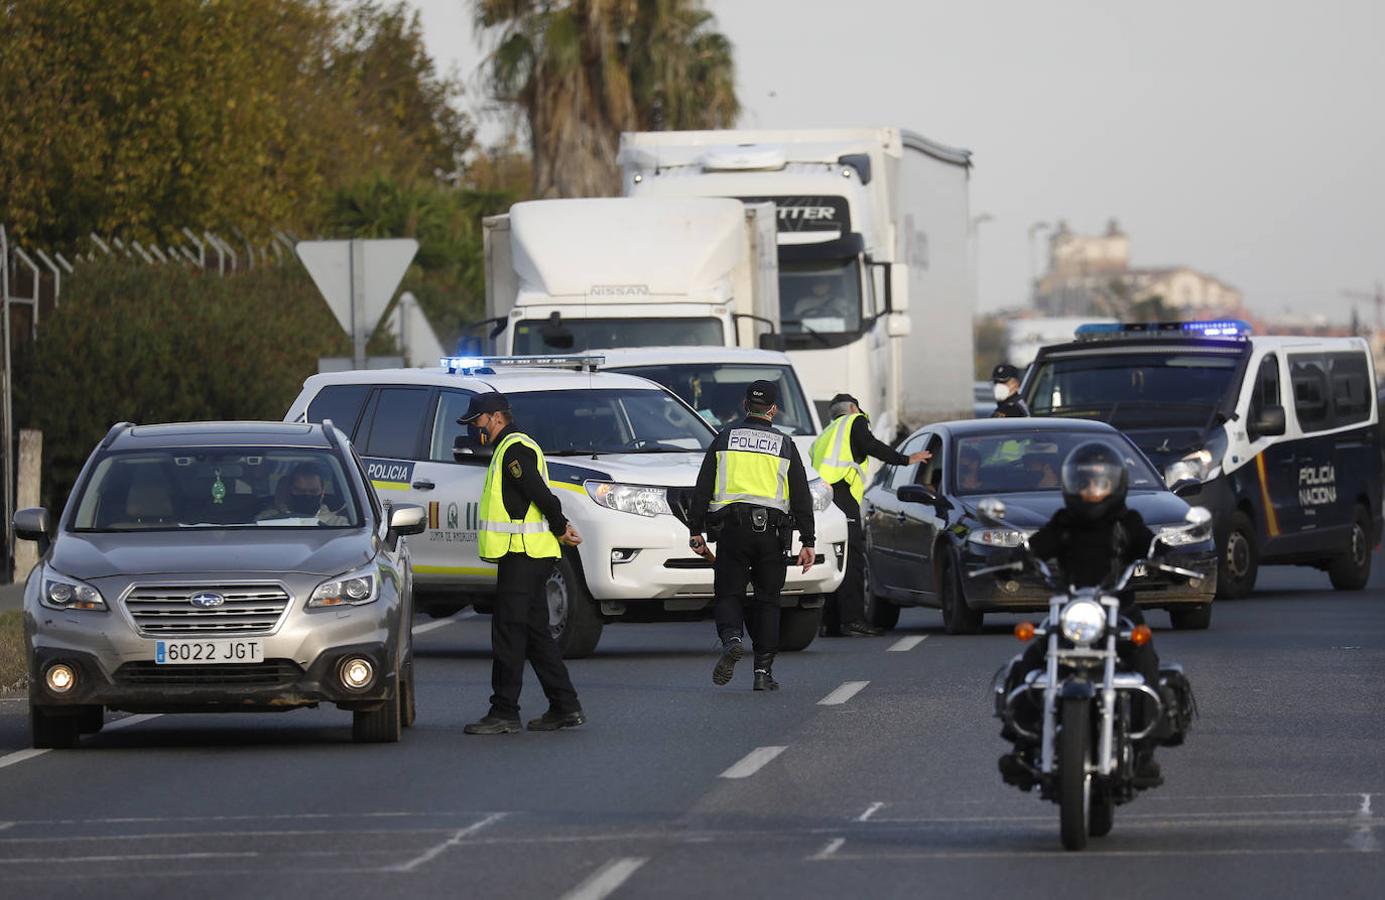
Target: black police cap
763, 393
1004, 372
489, 402
844, 398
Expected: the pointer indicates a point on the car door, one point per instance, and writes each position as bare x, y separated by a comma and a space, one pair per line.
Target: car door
1276, 463
919, 523
887, 518
1309, 457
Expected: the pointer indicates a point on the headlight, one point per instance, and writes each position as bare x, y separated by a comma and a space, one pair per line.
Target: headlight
1082, 621
639, 499
822, 494
352, 589
1181, 535
69, 593
996, 537
1200, 465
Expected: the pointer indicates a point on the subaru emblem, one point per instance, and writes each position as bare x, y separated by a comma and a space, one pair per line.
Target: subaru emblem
207, 600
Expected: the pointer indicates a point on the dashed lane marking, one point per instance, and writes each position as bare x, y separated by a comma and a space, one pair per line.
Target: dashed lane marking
130, 720
870, 811
607, 879
842, 694
19, 756
433, 626
905, 644
438, 849
753, 762
827, 851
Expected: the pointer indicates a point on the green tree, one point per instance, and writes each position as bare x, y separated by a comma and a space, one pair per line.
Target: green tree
583, 71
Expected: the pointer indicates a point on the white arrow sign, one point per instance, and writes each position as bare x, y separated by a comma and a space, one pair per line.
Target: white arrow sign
357, 278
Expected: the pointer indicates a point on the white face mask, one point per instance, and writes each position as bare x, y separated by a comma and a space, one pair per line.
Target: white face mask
1002, 393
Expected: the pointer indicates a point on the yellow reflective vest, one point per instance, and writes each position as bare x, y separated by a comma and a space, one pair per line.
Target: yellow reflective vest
752, 468
831, 456
498, 533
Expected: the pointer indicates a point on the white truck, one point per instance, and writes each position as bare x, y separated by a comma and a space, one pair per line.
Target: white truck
874, 227
569, 275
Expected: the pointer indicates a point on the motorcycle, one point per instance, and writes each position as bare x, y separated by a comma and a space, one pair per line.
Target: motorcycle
1083, 755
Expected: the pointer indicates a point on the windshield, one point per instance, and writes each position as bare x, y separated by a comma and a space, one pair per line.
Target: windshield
717, 390
1167, 388
283, 487
820, 297
1012, 462
609, 420
538, 336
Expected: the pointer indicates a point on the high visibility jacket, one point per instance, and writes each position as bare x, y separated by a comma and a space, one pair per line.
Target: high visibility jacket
752, 468
499, 534
831, 456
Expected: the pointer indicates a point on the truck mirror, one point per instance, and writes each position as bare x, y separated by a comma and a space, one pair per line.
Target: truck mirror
897, 325
773, 342
899, 288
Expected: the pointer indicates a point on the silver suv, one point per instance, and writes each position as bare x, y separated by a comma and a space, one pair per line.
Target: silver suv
216, 566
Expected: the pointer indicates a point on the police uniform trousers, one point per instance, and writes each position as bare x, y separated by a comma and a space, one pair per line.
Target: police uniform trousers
847, 604
519, 632
755, 558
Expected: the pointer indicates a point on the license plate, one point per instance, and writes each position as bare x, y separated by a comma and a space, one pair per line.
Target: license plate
186, 653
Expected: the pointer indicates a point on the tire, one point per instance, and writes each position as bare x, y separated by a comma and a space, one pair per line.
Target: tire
91, 719
1191, 618
572, 613
798, 627
958, 618
1074, 784
408, 709
1240, 560
381, 725
1352, 570
50, 731
879, 612
1103, 812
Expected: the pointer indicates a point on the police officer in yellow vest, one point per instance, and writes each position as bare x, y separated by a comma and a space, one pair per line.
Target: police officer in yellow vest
522, 530
751, 492
839, 456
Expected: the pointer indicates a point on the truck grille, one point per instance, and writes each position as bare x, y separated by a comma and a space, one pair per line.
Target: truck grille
270, 673
166, 609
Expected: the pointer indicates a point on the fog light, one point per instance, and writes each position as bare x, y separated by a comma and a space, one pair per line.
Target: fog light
1010, 587
356, 673
60, 678
623, 555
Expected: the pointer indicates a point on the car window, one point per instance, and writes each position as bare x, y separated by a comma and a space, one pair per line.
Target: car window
609, 420
1351, 388
1308, 374
451, 405
930, 474
1033, 461
717, 390
905, 474
1266, 390
394, 422
342, 403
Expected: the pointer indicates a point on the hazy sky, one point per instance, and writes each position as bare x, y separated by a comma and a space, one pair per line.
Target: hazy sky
1245, 138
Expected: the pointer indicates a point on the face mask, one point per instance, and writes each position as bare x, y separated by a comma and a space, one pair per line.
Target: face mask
1002, 393
305, 504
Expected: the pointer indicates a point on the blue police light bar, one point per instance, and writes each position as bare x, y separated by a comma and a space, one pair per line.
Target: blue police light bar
474, 365
1222, 328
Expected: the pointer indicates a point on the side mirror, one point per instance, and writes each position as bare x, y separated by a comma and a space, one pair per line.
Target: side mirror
898, 325
465, 450
916, 493
34, 524
405, 518
1198, 517
1186, 487
992, 509
1270, 423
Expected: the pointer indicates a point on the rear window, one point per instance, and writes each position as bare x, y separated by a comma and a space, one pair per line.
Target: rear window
1331, 390
342, 403
396, 420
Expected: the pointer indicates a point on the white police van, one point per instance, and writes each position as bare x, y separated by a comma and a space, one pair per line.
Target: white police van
1277, 436
623, 455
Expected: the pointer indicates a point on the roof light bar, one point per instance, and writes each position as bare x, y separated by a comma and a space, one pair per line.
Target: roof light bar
1234, 329
472, 365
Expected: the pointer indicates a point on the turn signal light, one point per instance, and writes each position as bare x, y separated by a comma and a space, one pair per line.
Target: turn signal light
1025, 631
1140, 635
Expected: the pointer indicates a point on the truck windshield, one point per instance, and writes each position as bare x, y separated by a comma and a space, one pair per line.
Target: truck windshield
538, 336
1166, 388
609, 420
279, 487
821, 297
716, 390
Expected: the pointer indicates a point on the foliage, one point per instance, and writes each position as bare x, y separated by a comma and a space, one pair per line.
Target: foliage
583, 71
14, 660
139, 116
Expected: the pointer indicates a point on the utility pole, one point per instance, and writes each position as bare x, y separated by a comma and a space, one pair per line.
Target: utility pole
1378, 298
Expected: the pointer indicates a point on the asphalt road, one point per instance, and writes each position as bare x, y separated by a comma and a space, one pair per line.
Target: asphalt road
1279, 792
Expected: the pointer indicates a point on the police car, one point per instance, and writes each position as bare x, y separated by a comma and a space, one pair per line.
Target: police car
1277, 436
623, 455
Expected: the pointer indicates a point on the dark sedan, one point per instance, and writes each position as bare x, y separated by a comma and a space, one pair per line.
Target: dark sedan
923, 534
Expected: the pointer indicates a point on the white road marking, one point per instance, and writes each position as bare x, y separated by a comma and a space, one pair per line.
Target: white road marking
605, 880
1363, 835
826, 852
905, 644
870, 811
842, 694
433, 852
754, 761
130, 720
145, 857
19, 756
433, 626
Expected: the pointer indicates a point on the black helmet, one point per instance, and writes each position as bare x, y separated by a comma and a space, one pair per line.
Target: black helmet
1094, 481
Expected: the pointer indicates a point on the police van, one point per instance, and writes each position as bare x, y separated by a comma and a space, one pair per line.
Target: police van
1277, 436
623, 455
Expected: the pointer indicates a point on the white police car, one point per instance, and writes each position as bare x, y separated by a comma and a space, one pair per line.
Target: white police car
623, 454
1277, 436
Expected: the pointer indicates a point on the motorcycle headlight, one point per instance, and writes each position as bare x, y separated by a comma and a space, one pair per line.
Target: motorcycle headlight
822, 494
1082, 621
352, 589
996, 537
60, 592
642, 500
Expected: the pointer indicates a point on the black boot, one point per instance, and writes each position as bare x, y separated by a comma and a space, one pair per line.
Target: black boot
764, 675
1147, 772
1013, 771
731, 652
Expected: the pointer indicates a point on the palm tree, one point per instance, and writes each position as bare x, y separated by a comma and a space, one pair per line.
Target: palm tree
583, 71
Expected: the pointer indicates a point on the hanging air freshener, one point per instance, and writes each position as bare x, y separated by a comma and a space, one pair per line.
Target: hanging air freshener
218, 488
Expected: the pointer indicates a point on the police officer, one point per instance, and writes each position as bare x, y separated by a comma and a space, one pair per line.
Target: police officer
838, 455
751, 492
1008, 405
523, 531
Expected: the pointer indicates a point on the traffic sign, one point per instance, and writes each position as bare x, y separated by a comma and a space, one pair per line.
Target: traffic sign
357, 278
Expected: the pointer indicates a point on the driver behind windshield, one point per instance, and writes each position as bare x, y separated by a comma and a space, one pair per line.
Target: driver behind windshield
301, 495
1092, 539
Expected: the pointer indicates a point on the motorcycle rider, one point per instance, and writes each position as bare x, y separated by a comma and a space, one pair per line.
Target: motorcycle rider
1093, 538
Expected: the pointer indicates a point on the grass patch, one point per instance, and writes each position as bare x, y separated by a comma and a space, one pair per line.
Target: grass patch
14, 665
